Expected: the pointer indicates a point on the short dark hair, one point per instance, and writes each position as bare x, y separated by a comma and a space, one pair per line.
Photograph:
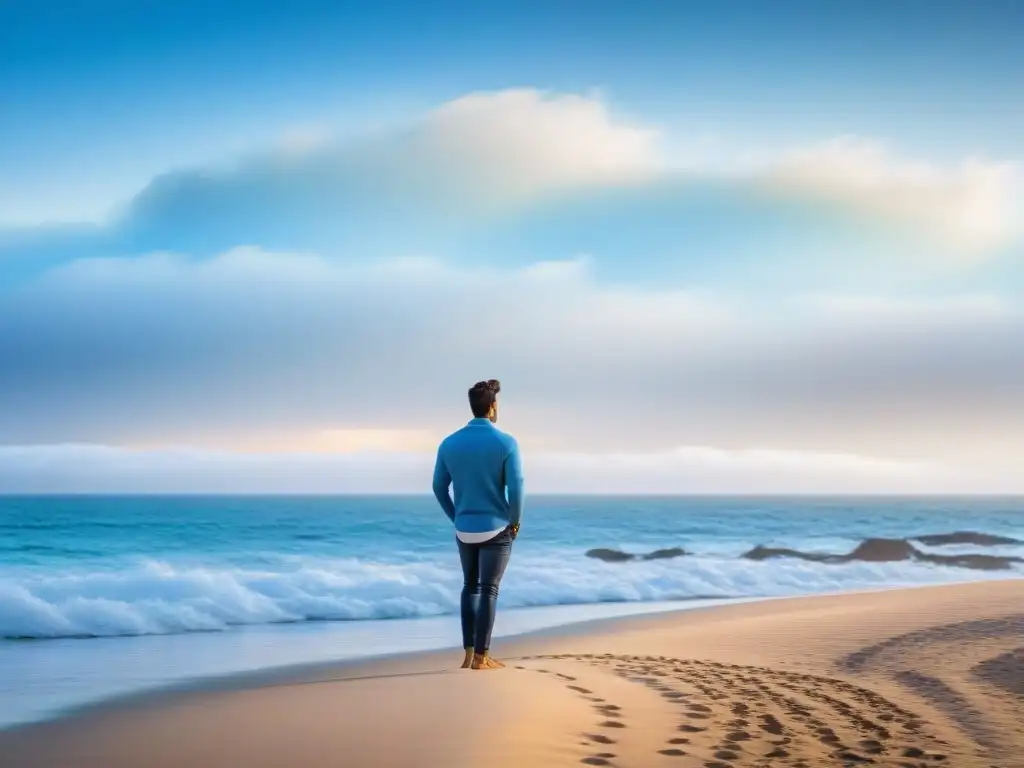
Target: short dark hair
482, 396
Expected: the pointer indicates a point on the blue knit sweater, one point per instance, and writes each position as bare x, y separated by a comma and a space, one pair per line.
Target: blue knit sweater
481, 462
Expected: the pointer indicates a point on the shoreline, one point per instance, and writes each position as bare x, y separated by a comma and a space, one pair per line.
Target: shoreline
266, 675
288, 673
644, 690
274, 674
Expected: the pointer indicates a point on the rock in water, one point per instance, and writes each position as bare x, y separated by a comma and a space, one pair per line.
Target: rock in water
977, 562
666, 554
883, 551
966, 537
766, 553
610, 555
615, 556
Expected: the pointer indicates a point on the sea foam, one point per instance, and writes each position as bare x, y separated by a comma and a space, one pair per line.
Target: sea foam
163, 597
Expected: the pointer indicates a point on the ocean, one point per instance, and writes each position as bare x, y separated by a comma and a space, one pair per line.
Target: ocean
102, 596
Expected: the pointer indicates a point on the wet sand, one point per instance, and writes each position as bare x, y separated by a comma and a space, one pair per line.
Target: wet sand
908, 678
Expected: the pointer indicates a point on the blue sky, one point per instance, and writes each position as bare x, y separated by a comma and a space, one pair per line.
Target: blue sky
102, 95
792, 229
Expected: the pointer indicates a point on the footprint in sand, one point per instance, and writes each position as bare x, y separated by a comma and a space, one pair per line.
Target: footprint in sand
827, 736
852, 757
595, 760
849, 721
871, 746
770, 724
737, 736
598, 738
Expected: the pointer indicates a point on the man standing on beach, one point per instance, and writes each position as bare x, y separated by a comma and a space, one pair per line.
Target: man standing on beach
482, 463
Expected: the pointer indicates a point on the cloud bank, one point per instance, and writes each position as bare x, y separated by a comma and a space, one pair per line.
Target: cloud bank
690, 469
169, 349
974, 206
501, 162
340, 297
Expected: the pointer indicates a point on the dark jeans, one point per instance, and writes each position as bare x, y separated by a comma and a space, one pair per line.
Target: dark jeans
482, 568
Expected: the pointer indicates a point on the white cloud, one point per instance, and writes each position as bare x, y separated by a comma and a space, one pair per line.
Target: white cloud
302, 140
323, 440
523, 142
902, 311
476, 154
251, 346
692, 469
256, 346
509, 147
486, 158
973, 206
515, 146
562, 295
707, 469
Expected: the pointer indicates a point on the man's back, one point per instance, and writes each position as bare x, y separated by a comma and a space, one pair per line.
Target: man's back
480, 461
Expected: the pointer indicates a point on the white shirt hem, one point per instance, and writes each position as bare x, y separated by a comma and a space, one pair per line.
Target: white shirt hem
477, 538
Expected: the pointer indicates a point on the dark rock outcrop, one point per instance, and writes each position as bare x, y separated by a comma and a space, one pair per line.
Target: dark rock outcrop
615, 556
883, 551
888, 551
965, 537
767, 553
665, 554
977, 562
868, 551
610, 555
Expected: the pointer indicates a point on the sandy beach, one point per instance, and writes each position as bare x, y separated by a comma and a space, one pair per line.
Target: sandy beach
917, 677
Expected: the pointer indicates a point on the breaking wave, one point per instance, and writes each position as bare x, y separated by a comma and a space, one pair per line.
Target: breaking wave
161, 597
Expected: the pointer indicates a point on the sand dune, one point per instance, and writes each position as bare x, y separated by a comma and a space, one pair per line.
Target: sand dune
905, 678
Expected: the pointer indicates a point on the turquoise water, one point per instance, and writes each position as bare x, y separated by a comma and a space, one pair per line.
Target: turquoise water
106, 596
95, 566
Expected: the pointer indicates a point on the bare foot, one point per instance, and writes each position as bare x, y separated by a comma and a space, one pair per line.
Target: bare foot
483, 661
467, 663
